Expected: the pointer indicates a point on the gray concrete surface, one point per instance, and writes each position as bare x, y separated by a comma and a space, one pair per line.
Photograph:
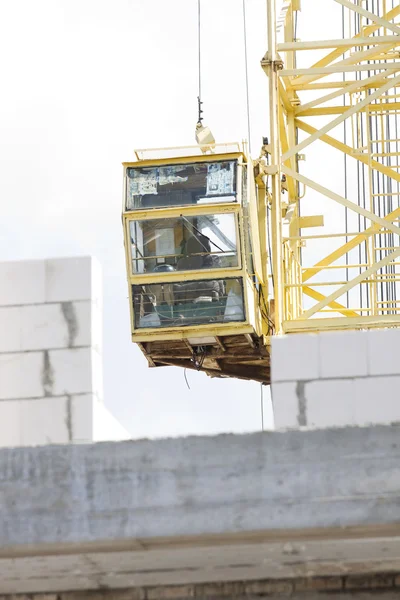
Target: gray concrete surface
273, 504
366, 587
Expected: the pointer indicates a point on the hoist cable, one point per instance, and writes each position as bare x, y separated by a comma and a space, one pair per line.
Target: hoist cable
187, 383
199, 102
246, 73
397, 190
363, 176
388, 207
346, 218
360, 176
199, 43
362, 179
262, 406
379, 204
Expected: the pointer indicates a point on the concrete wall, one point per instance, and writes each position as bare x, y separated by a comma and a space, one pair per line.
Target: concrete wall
336, 379
272, 505
50, 353
386, 586
199, 485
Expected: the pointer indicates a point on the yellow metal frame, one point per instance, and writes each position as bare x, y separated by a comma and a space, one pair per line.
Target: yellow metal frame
175, 213
365, 95
147, 334
185, 159
250, 324
181, 333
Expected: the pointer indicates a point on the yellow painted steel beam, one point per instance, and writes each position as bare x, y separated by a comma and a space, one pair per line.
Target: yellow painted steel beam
284, 96
179, 333
323, 111
361, 237
172, 212
364, 158
378, 279
383, 107
180, 276
324, 236
359, 322
343, 201
310, 221
370, 29
350, 284
345, 248
347, 312
356, 57
329, 58
285, 148
378, 65
346, 88
332, 85
192, 150
272, 59
327, 44
351, 111
335, 267
382, 222
187, 159
293, 298
381, 22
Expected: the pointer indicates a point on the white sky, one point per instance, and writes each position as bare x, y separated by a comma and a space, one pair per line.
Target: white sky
84, 82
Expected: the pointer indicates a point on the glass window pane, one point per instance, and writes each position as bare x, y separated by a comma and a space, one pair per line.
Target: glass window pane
184, 243
188, 303
247, 233
180, 185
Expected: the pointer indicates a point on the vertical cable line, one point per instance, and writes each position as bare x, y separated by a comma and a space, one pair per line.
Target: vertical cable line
199, 45
378, 201
262, 406
364, 178
345, 165
397, 186
246, 73
361, 179
199, 102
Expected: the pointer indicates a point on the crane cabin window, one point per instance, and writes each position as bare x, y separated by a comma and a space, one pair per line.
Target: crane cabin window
184, 243
180, 185
188, 303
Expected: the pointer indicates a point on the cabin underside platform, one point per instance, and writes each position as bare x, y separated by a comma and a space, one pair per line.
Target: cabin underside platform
240, 356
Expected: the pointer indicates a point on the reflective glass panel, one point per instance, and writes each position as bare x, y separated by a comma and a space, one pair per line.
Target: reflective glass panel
180, 185
184, 243
188, 303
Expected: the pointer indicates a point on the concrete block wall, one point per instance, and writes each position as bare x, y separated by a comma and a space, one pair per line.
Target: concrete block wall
50, 352
336, 378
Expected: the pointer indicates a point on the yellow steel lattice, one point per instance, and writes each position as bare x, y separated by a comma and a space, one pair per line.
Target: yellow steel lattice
337, 104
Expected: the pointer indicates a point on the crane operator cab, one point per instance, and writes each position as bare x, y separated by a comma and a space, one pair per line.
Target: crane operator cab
197, 285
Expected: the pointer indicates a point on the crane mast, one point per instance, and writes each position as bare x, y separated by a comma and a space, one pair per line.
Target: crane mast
346, 274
